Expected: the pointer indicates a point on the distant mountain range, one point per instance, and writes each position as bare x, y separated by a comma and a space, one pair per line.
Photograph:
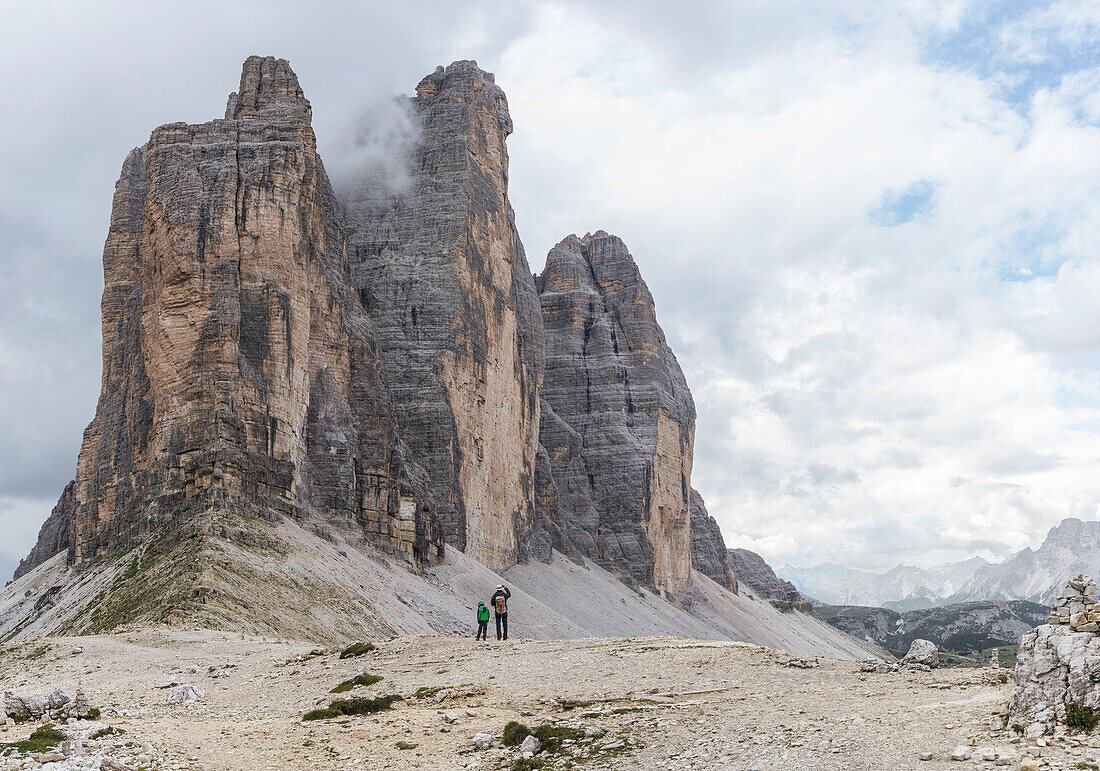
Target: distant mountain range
1039, 575
1036, 575
901, 588
962, 627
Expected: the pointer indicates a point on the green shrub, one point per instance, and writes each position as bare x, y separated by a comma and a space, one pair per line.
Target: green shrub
1082, 719
514, 733
551, 736
347, 685
357, 650
351, 707
108, 731
528, 764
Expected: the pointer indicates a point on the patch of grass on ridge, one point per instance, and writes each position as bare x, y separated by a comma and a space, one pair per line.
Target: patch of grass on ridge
108, 731
550, 736
43, 739
528, 764
358, 649
364, 679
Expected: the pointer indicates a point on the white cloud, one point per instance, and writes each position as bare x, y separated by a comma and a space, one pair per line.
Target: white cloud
867, 393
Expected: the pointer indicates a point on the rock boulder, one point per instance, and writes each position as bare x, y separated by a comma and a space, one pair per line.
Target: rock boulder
922, 653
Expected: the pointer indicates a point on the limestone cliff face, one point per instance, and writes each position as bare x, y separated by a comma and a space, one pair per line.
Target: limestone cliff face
618, 420
708, 548
237, 359
442, 272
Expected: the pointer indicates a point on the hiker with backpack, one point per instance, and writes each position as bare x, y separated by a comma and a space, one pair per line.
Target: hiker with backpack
482, 621
499, 601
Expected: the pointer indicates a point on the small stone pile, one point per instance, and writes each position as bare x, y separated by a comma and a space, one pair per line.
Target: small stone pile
1078, 606
58, 706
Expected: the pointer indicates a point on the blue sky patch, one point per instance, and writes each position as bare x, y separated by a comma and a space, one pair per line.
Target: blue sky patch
987, 43
899, 207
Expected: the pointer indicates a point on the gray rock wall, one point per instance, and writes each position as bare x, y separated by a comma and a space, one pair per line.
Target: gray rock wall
618, 420
708, 548
1055, 667
442, 271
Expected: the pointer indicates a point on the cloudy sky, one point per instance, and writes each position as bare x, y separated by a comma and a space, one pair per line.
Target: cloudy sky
871, 229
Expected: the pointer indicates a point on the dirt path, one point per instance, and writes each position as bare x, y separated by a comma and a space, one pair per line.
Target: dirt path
645, 703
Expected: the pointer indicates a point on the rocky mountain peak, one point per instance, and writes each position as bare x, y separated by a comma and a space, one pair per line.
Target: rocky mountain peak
442, 272
267, 84
618, 420
240, 371
462, 83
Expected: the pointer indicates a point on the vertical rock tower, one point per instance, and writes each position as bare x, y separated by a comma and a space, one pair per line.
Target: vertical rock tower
442, 272
618, 421
238, 362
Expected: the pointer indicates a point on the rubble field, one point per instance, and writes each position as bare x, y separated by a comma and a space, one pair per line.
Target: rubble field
202, 699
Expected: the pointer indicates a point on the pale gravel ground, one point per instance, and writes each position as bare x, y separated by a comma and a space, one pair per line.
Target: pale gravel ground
683, 703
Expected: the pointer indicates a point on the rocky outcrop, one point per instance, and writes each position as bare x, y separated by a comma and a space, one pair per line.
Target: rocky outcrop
441, 270
1056, 668
708, 549
752, 571
387, 367
1058, 664
618, 420
238, 363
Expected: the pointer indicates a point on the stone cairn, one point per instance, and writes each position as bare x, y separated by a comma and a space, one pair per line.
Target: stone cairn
1078, 606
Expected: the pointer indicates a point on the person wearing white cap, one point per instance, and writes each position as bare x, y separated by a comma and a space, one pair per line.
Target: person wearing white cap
499, 601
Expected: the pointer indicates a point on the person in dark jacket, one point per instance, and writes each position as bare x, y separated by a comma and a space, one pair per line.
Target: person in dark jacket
499, 601
482, 621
